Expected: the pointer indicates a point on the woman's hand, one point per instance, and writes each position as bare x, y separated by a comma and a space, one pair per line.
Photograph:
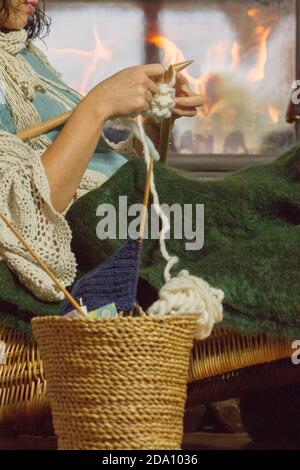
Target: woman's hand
128, 93
187, 102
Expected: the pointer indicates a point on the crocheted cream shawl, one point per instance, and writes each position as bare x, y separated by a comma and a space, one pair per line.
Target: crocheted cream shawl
24, 189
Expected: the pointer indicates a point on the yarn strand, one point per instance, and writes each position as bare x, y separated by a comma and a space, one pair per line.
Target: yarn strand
183, 294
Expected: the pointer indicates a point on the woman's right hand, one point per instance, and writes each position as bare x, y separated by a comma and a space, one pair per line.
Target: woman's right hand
127, 93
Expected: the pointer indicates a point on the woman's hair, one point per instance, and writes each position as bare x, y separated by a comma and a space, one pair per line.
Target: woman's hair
38, 24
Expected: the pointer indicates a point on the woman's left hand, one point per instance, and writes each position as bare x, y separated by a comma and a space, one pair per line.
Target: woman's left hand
187, 102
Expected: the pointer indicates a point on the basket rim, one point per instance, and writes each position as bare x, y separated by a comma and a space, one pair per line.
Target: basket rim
158, 319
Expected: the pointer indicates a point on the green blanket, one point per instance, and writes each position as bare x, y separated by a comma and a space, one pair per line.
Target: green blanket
251, 250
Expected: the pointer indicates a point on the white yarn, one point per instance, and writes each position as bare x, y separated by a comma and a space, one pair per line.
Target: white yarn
186, 294
163, 103
161, 108
183, 294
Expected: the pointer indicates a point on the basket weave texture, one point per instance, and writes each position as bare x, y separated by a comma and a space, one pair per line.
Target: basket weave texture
24, 408
117, 383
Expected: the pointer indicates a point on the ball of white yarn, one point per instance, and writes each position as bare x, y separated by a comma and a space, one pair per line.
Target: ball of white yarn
187, 294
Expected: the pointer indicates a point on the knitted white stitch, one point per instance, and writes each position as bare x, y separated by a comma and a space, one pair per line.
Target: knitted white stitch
163, 102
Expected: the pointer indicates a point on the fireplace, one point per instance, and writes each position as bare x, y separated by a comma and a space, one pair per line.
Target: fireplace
245, 64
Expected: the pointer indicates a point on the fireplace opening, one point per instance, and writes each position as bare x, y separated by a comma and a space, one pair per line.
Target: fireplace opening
244, 65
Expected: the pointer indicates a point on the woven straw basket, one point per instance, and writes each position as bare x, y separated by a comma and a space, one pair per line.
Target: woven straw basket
117, 383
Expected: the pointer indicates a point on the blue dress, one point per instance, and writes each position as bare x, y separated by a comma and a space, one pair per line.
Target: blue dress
105, 160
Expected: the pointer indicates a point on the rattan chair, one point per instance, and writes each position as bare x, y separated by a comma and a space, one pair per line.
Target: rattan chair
231, 365
228, 364
24, 408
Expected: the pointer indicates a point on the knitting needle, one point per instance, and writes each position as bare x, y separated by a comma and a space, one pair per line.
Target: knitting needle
47, 126
146, 199
165, 133
166, 126
44, 127
45, 268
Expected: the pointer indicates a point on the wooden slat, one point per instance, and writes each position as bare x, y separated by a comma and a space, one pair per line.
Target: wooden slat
217, 163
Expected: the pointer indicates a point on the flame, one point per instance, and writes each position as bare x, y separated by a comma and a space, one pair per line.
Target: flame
206, 107
173, 54
98, 54
273, 113
235, 55
252, 12
204, 83
257, 73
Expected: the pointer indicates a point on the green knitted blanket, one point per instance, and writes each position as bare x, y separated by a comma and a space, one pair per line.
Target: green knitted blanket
251, 250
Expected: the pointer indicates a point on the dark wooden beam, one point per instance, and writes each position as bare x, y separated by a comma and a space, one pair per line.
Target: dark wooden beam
151, 28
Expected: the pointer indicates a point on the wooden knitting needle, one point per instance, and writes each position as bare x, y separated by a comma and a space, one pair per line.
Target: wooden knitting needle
164, 143
166, 126
47, 126
146, 199
45, 268
44, 127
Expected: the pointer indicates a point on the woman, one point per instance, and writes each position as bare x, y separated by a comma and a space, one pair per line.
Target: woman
39, 180
252, 218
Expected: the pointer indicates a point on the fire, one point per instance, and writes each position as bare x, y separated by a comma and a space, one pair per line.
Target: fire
252, 12
273, 113
218, 53
206, 108
235, 55
257, 73
98, 54
172, 53
229, 56
262, 34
